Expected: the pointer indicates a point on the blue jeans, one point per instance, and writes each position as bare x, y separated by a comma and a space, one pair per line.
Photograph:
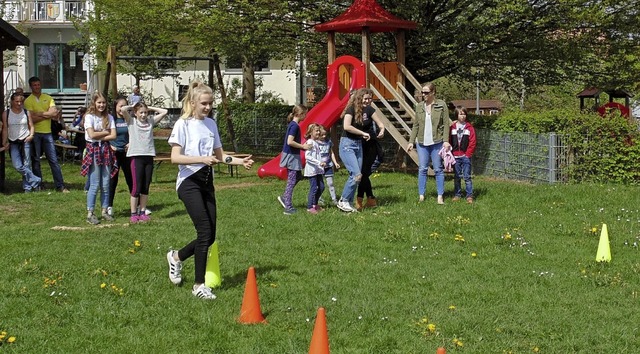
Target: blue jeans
426, 153
351, 156
99, 177
43, 142
316, 187
462, 170
21, 160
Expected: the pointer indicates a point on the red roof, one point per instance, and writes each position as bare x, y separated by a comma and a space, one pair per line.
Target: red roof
365, 13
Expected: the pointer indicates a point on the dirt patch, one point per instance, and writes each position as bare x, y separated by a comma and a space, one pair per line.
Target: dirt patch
164, 133
80, 228
239, 185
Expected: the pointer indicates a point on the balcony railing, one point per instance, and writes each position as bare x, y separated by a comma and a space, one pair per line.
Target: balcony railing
44, 11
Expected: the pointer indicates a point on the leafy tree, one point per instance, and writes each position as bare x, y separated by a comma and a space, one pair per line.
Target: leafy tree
139, 28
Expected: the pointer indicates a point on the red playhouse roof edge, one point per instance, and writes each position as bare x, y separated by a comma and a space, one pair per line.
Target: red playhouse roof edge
365, 13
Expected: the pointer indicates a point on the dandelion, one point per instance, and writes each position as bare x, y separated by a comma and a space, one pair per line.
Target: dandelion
11, 339
459, 238
431, 327
535, 349
452, 307
457, 342
434, 235
103, 285
507, 236
473, 254
137, 243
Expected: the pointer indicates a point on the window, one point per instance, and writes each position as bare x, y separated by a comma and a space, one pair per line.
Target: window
234, 62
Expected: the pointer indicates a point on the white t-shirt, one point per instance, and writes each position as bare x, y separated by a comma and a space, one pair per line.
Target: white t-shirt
18, 125
94, 122
427, 139
197, 137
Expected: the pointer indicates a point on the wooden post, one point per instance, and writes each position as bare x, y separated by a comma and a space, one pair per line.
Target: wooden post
400, 57
114, 71
366, 54
331, 47
2, 157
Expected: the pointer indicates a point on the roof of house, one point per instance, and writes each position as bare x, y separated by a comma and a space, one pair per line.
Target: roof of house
10, 37
471, 104
595, 92
365, 13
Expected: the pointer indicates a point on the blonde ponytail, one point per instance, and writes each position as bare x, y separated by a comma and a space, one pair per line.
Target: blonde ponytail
196, 89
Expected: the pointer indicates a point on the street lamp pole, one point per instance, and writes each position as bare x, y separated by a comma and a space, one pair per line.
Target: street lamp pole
477, 93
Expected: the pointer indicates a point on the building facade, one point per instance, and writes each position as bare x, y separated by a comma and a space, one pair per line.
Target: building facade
63, 69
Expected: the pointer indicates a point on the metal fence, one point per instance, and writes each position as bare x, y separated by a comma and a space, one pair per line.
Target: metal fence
539, 158
522, 156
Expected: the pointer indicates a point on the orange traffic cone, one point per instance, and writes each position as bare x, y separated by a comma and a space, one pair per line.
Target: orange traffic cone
441, 350
320, 338
250, 312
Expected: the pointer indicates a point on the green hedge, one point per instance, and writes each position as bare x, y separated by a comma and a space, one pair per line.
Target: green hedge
603, 149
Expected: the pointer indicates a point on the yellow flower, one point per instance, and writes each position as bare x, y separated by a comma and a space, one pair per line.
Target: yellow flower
507, 236
424, 320
137, 243
452, 307
535, 349
11, 339
457, 342
103, 285
431, 327
594, 230
473, 254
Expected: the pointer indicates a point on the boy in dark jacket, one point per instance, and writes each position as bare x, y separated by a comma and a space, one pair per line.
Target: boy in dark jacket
462, 138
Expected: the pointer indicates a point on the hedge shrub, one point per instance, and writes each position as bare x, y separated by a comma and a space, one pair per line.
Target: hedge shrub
603, 149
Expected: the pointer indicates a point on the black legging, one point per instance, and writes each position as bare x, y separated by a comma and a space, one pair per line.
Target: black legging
371, 151
198, 195
125, 166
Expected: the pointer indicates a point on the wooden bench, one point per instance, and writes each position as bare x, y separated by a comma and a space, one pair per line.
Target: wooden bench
66, 149
232, 167
162, 157
157, 161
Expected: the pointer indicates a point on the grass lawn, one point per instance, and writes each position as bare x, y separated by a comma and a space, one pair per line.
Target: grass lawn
514, 272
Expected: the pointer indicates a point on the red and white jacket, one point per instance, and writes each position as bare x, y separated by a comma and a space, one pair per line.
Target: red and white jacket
466, 145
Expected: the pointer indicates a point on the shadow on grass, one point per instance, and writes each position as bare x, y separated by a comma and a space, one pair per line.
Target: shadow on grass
240, 279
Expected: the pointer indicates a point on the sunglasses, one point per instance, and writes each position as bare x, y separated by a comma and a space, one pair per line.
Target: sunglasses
426, 92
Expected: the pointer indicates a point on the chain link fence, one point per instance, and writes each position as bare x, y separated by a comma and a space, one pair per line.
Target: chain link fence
522, 156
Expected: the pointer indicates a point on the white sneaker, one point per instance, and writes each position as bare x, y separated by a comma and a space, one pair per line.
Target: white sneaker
346, 207
110, 211
147, 211
175, 269
281, 202
203, 292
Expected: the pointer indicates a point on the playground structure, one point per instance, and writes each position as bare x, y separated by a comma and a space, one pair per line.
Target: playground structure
387, 80
611, 105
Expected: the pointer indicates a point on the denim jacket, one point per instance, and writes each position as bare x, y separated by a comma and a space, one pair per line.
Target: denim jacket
440, 122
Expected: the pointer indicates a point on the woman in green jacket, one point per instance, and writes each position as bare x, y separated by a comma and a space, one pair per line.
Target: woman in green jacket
430, 133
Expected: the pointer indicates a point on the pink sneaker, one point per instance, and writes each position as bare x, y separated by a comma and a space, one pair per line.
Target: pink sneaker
134, 219
143, 218
312, 211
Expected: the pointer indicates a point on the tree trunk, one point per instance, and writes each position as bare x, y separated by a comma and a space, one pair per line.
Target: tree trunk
248, 81
225, 101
